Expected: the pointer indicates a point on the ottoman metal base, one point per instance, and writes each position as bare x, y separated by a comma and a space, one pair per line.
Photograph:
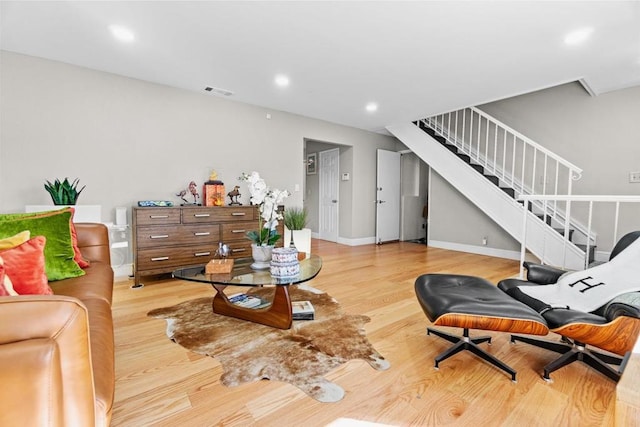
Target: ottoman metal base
470, 344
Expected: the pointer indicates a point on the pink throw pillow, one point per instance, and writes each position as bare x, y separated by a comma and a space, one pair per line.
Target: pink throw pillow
24, 264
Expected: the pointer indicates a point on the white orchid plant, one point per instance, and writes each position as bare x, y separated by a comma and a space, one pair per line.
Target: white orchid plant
267, 201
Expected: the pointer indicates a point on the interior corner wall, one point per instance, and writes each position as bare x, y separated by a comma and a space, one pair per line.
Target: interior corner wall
599, 134
130, 140
414, 196
456, 220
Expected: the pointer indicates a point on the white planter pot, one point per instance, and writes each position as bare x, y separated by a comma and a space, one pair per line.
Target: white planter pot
83, 213
301, 239
261, 256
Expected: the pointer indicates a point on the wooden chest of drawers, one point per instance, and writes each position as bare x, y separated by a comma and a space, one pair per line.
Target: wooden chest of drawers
167, 238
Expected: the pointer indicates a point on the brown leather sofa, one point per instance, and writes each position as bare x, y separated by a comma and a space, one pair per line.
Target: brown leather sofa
57, 351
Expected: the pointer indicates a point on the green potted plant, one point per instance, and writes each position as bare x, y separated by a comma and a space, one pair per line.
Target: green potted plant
295, 218
295, 232
64, 192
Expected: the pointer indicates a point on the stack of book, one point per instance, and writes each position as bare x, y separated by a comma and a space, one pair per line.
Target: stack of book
302, 310
247, 301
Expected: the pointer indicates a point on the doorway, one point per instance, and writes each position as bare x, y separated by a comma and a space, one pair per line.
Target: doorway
335, 215
414, 204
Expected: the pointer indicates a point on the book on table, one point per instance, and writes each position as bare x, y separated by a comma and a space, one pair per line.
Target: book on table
302, 310
247, 301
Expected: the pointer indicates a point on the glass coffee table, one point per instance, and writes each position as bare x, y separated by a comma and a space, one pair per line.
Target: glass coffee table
278, 314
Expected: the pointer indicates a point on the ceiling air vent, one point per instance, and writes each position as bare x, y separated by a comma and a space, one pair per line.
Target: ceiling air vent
218, 91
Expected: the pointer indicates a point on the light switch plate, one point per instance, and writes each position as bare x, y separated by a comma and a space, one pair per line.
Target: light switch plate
634, 177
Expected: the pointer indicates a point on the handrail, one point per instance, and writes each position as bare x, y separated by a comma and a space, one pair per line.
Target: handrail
568, 199
580, 198
529, 141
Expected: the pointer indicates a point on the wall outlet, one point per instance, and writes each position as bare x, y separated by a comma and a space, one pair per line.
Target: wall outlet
485, 241
634, 177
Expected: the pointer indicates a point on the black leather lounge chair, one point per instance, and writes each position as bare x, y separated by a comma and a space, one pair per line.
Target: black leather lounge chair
614, 327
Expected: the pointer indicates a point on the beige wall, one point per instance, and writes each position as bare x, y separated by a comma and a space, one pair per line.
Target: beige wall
599, 134
454, 219
130, 140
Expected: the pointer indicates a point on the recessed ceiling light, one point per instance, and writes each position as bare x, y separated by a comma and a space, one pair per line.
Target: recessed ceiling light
578, 36
121, 33
282, 80
371, 107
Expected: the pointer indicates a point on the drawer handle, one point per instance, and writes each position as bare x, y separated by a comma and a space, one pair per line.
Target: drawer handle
238, 250
238, 231
202, 233
158, 216
160, 258
160, 236
238, 213
202, 254
202, 215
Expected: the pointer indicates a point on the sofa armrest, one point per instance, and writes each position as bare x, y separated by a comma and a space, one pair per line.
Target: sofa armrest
44, 341
93, 241
542, 274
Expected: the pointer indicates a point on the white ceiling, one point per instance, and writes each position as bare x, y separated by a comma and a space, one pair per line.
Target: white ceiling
412, 58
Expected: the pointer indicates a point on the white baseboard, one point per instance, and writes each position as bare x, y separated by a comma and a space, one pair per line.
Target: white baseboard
357, 242
480, 250
351, 242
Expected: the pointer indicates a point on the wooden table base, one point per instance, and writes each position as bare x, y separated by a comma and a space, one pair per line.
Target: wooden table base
277, 315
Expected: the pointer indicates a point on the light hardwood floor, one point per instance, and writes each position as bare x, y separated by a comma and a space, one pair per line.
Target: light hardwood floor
160, 383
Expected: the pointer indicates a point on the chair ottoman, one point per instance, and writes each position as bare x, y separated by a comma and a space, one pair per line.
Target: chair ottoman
469, 302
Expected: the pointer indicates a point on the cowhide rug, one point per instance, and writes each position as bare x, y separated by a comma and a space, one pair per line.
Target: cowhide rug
250, 352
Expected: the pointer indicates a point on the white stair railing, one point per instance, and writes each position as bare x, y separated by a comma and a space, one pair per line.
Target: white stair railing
609, 230
517, 161
497, 204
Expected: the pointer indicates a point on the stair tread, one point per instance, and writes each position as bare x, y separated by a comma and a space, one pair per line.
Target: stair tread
584, 247
493, 179
510, 191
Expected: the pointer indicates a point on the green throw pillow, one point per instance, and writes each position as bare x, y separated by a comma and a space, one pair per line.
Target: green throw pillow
58, 250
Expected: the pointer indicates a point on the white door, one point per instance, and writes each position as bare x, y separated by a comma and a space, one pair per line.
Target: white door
388, 197
328, 176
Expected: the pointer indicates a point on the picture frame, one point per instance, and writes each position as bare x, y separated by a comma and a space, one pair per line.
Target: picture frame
312, 164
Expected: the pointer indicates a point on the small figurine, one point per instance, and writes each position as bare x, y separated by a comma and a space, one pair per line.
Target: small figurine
193, 190
223, 250
181, 194
233, 195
